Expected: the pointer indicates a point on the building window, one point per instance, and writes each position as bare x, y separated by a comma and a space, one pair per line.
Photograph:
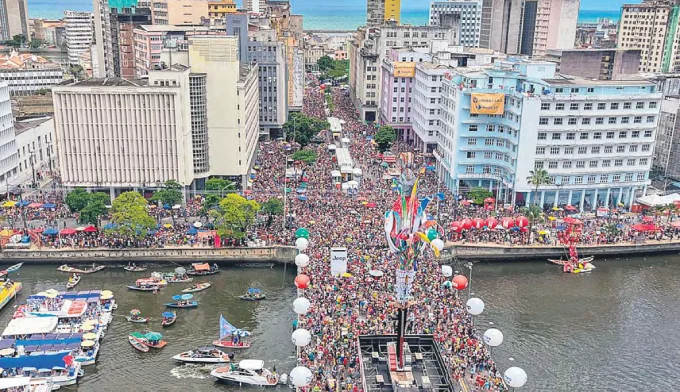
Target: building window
616, 178
612, 120
580, 164
557, 121
595, 149
571, 121
488, 142
614, 106
633, 148
648, 133
559, 106
566, 165
599, 120
646, 147
554, 150
543, 121
639, 105
469, 169
552, 165
578, 179
625, 120
627, 105
583, 136
635, 134
488, 155
623, 134
650, 119
585, 121
472, 128
545, 106
643, 161
629, 177
608, 149
591, 179
652, 105
542, 135
610, 135
573, 106
591, 90
592, 164
540, 150
556, 136
472, 142
471, 154
538, 165
597, 135
587, 106
641, 176
604, 179
571, 136
583, 150
630, 162
618, 162
601, 106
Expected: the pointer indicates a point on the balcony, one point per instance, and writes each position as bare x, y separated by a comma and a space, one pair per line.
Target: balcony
482, 176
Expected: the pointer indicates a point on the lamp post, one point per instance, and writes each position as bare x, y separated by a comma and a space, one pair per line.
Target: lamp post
33, 167
469, 265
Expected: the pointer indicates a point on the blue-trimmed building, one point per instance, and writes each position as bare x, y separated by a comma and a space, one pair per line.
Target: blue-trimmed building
595, 138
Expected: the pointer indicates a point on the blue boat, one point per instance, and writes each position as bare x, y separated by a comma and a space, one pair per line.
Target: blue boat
184, 304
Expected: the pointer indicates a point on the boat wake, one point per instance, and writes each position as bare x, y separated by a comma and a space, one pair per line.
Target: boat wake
200, 372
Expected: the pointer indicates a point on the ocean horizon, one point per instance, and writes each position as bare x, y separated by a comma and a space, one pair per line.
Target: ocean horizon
327, 17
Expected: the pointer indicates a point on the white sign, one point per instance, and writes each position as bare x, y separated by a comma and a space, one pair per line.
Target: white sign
338, 261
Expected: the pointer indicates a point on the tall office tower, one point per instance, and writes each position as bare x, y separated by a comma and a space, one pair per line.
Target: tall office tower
78, 29
653, 28
501, 25
14, 19
178, 12
256, 6
547, 25
114, 38
463, 17
380, 11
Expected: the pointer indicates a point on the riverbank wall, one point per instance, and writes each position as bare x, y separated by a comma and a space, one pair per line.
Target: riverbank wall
477, 252
273, 254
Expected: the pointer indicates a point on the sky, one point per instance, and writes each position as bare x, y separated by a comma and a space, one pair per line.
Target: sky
599, 5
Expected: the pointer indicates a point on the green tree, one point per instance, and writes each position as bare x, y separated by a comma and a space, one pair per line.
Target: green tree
219, 186
385, 137
130, 214
77, 199
43, 91
92, 212
324, 63
234, 214
537, 178
272, 207
302, 129
37, 43
534, 215
306, 156
171, 194
102, 197
477, 195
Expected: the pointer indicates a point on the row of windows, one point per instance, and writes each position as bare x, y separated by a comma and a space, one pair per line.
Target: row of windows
602, 179
590, 164
593, 149
598, 120
595, 135
600, 105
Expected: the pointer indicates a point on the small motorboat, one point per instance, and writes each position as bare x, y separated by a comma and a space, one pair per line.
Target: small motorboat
179, 279
230, 344
202, 269
230, 336
182, 301
249, 372
138, 320
13, 268
73, 281
138, 344
134, 268
197, 287
253, 295
153, 340
143, 288
74, 270
169, 318
203, 355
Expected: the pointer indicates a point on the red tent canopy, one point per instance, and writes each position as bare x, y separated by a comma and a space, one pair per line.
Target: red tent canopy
90, 229
34, 205
67, 231
570, 208
572, 221
643, 227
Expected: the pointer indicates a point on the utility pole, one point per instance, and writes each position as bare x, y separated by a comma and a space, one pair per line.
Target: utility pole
33, 168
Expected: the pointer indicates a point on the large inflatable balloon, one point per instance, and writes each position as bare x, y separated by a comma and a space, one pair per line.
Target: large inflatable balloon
301, 337
447, 271
507, 222
460, 282
301, 305
493, 337
456, 226
491, 223
515, 377
302, 281
475, 306
302, 233
302, 260
522, 221
301, 244
467, 224
301, 376
478, 223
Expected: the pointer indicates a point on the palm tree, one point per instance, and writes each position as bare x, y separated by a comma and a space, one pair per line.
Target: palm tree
537, 178
534, 214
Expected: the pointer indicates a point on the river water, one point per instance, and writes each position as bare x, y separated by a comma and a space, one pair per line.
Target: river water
616, 329
121, 368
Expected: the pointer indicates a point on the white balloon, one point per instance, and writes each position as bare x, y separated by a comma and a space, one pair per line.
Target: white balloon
301, 243
493, 337
475, 306
447, 271
300, 376
438, 244
515, 377
301, 337
301, 305
301, 260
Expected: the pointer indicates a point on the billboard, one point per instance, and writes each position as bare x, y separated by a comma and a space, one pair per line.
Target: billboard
338, 261
487, 103
404, 69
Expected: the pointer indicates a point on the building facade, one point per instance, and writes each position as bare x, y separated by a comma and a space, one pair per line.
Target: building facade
14, 19
380, 11
79, 33
9, 159
218, 10
548, 24
26, 73
180, 12
594, 138
256, 6
427, 109
35, 149
600, 64
653, 28
152, 41
464, 17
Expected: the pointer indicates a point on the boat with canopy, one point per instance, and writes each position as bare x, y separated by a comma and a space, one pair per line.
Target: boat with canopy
253, 295
201, 269
182, 301
230, 336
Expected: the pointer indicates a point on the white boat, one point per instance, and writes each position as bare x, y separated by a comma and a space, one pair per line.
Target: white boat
62, 376
203, 355
86, 360
26, 384
249, 372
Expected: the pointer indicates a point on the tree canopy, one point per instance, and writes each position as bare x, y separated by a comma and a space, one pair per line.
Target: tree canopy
234, 214
171, 193
91, 213
130, 215
306, 156
385, 137
324, 63
77, 199
477, 195
302, 129
91, 206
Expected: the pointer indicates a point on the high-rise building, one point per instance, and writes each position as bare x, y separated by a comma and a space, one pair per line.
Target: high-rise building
463, 17
256, 6
179, 12
595, 138
9, 159
667, 151
380, 11
27, 73
79, 31
653, 28
218, 10
602, 64
14, 19
114, 38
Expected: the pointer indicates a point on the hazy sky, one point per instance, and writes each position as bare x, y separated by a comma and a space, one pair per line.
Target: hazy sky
585, 4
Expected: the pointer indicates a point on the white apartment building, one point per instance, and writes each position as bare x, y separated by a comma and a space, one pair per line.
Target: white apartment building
594, 138
8, 147
463, 17
78, 28
426, 104
35, 148
27, 73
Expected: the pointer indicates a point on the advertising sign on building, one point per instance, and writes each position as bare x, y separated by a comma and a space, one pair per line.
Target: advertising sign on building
487, 103
338, 261
404, 69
